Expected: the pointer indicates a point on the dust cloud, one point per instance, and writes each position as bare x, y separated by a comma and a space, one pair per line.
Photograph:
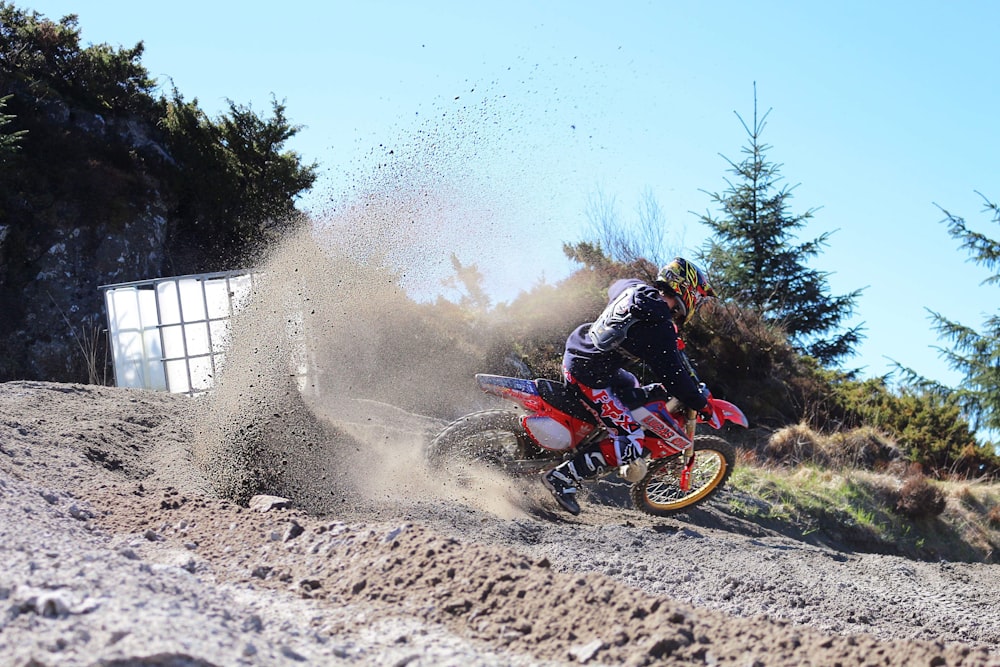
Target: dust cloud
345, 362
321, 392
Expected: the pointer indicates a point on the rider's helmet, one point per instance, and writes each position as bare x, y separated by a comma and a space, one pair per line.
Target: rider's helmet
688, 283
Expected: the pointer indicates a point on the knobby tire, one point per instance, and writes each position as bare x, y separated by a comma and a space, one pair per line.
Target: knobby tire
659, 492
492, 437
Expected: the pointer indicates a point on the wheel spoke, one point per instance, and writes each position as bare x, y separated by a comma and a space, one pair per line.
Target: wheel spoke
665, 487
660, 492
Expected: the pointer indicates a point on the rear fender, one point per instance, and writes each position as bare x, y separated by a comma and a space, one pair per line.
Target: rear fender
516, 390
548, 426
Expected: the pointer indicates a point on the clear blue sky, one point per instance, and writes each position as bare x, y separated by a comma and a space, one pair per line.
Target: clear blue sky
880, 110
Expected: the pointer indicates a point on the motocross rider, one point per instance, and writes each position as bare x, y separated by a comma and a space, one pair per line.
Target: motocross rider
640, 323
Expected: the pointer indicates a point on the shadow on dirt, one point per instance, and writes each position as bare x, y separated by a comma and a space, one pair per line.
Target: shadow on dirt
714, 514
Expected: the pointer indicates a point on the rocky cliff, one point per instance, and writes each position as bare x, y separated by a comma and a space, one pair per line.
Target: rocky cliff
84, 203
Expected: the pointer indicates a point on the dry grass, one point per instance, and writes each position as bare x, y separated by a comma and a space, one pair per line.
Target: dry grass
973, 507
863, 448
918, 498
794, 445
857, 486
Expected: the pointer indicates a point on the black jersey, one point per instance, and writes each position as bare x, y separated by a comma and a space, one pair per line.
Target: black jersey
636, 323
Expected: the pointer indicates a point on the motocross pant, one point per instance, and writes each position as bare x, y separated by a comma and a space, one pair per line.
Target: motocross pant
626, 444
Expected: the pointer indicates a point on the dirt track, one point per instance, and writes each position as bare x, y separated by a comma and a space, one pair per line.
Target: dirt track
118, 553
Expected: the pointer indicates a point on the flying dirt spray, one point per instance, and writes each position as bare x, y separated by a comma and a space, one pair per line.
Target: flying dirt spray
341, 365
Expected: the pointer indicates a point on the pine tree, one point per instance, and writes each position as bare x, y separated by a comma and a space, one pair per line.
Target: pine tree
9, 141
753, 259
976, 354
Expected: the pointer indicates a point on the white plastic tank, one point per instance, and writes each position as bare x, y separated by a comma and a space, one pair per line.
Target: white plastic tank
171, 333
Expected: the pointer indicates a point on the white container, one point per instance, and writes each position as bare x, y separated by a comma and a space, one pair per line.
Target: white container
171, 334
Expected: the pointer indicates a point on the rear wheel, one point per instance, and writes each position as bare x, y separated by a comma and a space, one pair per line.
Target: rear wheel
493, 438
659, 492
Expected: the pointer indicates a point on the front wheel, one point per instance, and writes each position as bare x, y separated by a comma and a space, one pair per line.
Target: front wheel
659, 492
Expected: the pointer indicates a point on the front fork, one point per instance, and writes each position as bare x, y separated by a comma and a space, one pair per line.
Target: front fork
689, 426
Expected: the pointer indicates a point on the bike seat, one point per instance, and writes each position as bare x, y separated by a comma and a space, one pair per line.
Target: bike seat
565, 397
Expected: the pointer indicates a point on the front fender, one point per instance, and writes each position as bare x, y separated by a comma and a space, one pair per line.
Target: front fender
723, 411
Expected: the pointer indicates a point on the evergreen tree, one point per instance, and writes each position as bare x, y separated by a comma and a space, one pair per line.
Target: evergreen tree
47, 59
10, 144
232, 181
9, 141
976, 354
753, 259
237, 183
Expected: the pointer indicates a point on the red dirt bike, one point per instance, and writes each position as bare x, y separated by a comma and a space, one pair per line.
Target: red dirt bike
679, 471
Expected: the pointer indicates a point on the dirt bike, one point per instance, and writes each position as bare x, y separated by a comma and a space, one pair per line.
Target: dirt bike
679, 470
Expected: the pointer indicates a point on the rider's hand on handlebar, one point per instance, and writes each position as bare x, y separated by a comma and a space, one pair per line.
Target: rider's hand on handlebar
706, 413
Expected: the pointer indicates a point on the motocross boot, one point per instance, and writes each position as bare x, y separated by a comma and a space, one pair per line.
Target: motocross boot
562, 480
562, 487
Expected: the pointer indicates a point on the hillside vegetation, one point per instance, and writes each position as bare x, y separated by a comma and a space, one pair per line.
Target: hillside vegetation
855, 490
108, 176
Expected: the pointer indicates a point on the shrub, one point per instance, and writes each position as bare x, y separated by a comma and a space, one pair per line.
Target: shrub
794, 444
918, 498
749, 361
862, 448
930, 428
